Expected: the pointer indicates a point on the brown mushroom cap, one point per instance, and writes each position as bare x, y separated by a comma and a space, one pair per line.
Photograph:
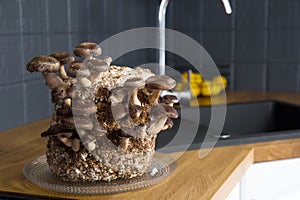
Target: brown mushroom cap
52, 80
74, 66
97, 65
43, 64
57, 129
170, 99
86, 49
134, 83
157, 119
171, 112
160, 82
63, 57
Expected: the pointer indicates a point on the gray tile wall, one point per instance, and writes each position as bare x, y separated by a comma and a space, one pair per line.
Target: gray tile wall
259, 42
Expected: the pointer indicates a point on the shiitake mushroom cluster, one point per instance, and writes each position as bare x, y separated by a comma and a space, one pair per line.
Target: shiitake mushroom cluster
106, 117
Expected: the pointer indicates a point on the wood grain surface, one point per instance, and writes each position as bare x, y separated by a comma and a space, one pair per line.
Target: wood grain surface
212, 177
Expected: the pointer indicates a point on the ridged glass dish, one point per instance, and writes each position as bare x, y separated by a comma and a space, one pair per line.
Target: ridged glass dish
38, 172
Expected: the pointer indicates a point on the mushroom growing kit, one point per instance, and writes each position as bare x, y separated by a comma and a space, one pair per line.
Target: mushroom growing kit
106, 118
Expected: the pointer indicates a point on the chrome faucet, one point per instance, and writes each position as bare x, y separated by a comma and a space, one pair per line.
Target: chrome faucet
162, 41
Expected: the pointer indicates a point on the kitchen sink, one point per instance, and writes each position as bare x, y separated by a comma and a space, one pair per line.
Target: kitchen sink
244, 123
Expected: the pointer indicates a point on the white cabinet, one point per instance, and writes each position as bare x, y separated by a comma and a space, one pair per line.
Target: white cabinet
235, 193
274, 180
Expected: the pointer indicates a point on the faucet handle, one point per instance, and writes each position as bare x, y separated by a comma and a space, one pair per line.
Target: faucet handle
227, 6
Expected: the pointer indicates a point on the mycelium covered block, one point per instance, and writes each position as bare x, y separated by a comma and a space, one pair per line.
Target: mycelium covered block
106, 118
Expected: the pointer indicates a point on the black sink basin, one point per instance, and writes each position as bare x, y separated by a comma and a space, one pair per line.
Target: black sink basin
244, 123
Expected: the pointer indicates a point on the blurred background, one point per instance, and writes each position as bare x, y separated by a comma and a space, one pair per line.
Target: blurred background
256, 48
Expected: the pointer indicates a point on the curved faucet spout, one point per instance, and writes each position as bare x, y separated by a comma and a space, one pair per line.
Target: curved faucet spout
162, 25
162, 36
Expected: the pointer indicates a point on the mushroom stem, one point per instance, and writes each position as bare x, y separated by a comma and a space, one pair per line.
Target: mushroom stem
75, 144
134, 99
154, 97
63, 73
63, 58
146, 91
169, 124
65, 141
52, 80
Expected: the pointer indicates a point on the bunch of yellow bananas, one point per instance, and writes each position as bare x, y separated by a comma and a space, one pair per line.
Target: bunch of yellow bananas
201, 87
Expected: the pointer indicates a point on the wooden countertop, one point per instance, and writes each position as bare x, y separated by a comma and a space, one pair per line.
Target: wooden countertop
212, 177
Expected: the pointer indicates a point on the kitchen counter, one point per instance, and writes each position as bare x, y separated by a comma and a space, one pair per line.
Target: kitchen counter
212, 177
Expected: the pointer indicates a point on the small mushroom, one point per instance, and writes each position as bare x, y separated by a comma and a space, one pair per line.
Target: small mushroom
169, 124
158, 83
75, 144
43, 64
87, 49
48, 66
52, 80
156, 124
171, 112
73, 67
63, 58
134, 84
170, 100
157, 118
57, 129
97, 65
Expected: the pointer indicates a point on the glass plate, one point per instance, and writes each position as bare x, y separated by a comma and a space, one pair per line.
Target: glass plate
38, 172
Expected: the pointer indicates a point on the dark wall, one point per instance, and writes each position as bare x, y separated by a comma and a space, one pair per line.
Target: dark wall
259, 42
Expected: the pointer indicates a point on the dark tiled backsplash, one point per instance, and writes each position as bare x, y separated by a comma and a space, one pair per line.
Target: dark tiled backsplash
259, 42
